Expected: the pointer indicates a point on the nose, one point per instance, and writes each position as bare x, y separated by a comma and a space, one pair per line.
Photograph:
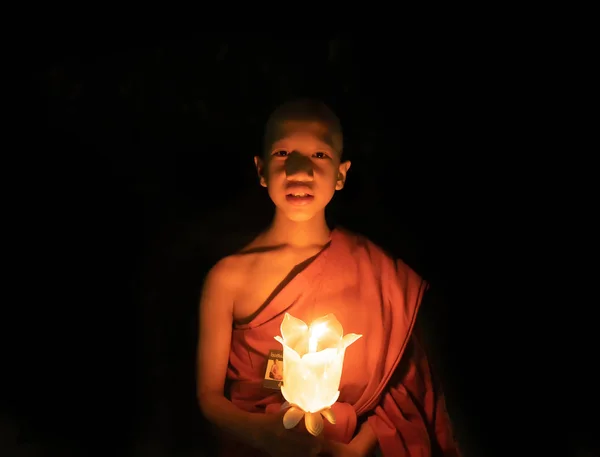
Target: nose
298, 167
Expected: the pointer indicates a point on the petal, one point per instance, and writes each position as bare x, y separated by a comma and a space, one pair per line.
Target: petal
292, 329
335, 398
349, 339
314, 423
328, 414
297, 399
283, 393
285, 405
332, 336
287, 351
292, 417
333, 325
311, 358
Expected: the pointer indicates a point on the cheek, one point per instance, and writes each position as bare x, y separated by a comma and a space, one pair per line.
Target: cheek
328, 175
275, 169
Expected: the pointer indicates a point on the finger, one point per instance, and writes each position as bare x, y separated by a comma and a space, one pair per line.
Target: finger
317, 446
315, 451
309, 443
326, 448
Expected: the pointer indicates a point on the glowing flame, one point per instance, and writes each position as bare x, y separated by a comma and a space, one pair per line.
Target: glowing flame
316, 332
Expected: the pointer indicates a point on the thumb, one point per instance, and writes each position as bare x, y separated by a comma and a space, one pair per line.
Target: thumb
275, 409
317, 448
279, 415
283, 409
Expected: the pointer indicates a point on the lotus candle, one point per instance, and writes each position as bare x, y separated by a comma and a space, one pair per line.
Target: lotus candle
313, 357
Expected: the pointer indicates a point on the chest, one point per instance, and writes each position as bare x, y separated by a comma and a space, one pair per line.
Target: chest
262, 281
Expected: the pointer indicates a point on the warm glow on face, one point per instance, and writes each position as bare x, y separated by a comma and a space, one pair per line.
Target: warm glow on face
302, 156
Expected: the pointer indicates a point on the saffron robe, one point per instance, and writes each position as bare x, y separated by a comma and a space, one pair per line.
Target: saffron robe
370, 294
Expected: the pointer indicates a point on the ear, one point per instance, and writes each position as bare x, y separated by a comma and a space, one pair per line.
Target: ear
260, 167
341, 177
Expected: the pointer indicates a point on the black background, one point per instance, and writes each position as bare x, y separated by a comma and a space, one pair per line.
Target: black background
135, 175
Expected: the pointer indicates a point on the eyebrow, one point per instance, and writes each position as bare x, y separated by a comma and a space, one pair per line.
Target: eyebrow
325, 143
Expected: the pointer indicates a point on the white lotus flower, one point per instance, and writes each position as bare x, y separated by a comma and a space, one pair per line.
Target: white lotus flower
313, 357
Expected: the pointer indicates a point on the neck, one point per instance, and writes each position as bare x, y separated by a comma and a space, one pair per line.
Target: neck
313, 232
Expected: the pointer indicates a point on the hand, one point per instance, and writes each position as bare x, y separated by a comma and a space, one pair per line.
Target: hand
277, 441
336, 449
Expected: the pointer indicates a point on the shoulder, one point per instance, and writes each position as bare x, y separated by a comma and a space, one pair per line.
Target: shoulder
231, 269
360, 245
385, 263
225, 276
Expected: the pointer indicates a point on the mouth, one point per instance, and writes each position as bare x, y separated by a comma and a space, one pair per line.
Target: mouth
299, 194
299, 198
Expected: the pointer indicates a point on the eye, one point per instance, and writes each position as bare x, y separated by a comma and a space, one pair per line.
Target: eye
320, 155
281, 153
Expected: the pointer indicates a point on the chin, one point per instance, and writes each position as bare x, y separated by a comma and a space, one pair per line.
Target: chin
299, 213
297, 216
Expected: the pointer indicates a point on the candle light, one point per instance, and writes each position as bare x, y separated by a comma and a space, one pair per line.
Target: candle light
311, 377
316, 332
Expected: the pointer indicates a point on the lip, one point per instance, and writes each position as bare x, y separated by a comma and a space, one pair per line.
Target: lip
299, 201
299, 193
298, 189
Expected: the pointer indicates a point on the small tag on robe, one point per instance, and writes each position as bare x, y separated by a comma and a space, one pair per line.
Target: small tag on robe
274, 371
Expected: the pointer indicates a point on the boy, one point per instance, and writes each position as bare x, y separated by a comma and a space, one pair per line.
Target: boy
298, 265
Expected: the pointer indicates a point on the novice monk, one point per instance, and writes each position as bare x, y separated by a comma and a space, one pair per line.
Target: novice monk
298, 265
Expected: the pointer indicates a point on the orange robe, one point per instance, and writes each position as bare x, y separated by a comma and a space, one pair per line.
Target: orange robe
373, 295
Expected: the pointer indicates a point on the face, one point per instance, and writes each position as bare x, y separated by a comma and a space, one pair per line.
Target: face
302, 171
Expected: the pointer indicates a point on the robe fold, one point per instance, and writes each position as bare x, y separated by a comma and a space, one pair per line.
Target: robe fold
370, 294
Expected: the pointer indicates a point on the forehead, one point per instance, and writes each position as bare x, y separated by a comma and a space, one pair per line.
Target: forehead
313, 132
